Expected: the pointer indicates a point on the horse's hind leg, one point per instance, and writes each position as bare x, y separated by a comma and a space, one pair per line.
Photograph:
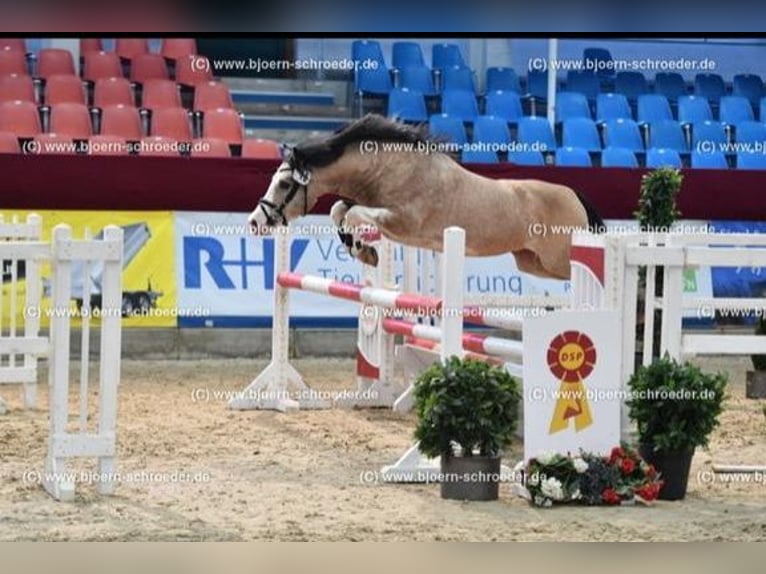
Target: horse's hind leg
529, 262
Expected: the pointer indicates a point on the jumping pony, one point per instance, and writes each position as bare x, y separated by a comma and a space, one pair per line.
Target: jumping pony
389, 177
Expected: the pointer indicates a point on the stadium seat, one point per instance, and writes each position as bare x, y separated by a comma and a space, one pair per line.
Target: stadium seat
748, 86
211, 95
709, 160
536, 131
584, 82
54, 144
750, 132
173, 123
407, 55
601, 59
491, 129
623, 133
17, 87
16, 44
667, 134
112, 92
710, 86
630, 84
123, 121
526, 157
708, 133
670, 84
9, 143
20, 118
373, 81
618, 157
129, 48
762, 107
747, 160
537, 85
145, 67
457, 78
108, 145
693, 109
446, 55
193, 70
367, 50
97, 65
661, 157
504, 79
653, 108
61, 88
210, 147
571, 105
612, 106
159, 146
261, 149
581, 133
418, 78
52, 61
460, 104
223, 123
735, 109
478, 156
447, 128
504, 104
13, 62
573, 157
88, 45
177, 48
72, 120
157, 93
407, 105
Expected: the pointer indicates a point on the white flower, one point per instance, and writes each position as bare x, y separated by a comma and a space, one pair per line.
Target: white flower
576, 495
579, 465
540, 500
547, 503
533, 479
552, 489
546, 457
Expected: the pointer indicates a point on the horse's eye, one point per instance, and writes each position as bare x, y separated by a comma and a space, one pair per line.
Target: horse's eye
283, 185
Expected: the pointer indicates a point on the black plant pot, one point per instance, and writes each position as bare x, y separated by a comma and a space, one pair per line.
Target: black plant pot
674, 470
470, 477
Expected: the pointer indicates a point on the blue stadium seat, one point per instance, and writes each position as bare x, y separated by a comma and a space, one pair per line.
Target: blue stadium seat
735, 109
750, 132
526, 157
602, 58
373, 81
446, 55
581, 133
653, 108
407, 55
708, 135
623, 133
712, 160
618, 157
571, 105
749, 86
630, 84
584, 82
504, 104
504, 79
612, 107
710, 86
537, 85
408, 105
367, 50
460, 104
447, 128
751, 160
694, 109
491, 129
478, 156
667, 134
418, 78
661, 157
458, 78
573, 157
536, 131
670, 84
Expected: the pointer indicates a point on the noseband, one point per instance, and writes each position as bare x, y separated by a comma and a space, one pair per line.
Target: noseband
276, 213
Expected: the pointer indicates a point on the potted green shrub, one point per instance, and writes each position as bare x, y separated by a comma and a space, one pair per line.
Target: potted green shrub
467, 413
755, 387
675, 407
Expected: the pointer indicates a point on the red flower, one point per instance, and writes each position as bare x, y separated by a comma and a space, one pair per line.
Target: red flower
628, 466
610, 496
649, 491
616, 453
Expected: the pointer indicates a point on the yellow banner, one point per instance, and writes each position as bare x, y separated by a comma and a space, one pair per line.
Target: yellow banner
148, 279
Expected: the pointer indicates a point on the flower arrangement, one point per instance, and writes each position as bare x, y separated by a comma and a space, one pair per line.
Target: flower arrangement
623, 477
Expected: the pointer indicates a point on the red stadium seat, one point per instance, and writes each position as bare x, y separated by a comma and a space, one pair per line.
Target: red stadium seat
99, 65
223, 123
160, 94
88, 45
17, 87
13, 62
113, 92
123, 121
20, 118
176, 48
54, 143
193, 70
212, 95
261, 149
159, 146
148, 66
129, 48
71, 120
108, 145
18, 44
52, 61
172, 123
210, 147
61, 89
9, 143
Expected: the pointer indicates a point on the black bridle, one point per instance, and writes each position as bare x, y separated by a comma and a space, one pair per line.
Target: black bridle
299, 180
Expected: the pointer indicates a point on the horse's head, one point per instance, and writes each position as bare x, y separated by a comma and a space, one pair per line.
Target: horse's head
288, 196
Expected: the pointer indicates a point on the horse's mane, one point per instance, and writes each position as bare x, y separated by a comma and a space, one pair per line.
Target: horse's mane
372, 127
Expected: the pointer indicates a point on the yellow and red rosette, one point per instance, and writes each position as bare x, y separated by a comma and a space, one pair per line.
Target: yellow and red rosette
571, 358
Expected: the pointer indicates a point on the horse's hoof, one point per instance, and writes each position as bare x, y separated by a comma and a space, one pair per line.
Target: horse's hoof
369, 256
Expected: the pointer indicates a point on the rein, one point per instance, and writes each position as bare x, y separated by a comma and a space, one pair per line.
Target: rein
300, 180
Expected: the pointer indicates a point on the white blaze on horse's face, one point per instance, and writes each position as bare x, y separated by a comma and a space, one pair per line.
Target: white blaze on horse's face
265, 217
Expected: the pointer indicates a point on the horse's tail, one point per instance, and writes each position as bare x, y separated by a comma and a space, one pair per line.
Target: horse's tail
595, 222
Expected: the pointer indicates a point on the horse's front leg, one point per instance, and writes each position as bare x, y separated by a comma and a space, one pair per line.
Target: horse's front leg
350, 236
360, 218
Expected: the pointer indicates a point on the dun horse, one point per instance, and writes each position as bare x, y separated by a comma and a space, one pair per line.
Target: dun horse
390, 178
